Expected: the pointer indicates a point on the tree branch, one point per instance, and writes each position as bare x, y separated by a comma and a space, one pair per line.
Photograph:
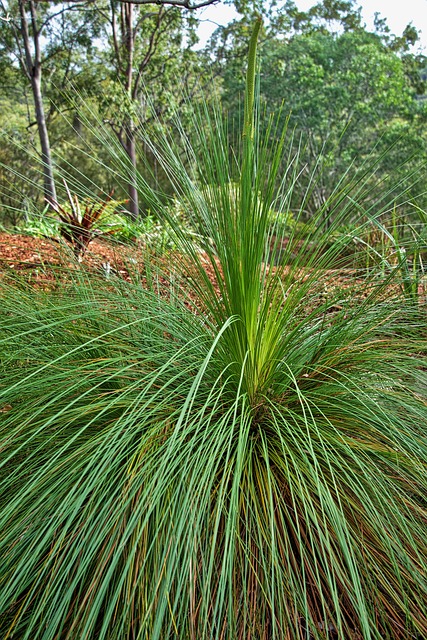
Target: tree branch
152, 45
118, 132
113, 24
183, 4
26, 40
64, 10
36, 37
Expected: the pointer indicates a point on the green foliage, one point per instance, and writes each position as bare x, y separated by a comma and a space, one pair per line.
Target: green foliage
350, 95
399, 243
156, 237
349, 91
39, 224
249, 462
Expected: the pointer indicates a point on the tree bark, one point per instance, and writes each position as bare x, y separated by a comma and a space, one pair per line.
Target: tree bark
48, 179
130, 148
32, 65
128, 36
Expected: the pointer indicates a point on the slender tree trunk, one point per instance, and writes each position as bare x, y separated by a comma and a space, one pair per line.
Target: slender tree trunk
132, 186
32, 64
48, 179
130, 147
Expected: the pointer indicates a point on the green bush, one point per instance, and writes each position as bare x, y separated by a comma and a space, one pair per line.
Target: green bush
245, 462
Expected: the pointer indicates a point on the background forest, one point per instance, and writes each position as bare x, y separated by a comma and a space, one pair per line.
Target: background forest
351, 94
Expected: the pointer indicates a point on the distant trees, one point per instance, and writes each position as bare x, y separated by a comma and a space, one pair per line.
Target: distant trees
347, 90
47, 39
350, 93
347, 94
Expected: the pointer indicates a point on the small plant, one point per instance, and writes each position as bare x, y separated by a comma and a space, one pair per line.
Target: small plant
39, 225
400, 245
80, 219
155, 236
411, 256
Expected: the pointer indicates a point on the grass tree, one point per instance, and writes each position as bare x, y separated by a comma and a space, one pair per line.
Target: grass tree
248, 465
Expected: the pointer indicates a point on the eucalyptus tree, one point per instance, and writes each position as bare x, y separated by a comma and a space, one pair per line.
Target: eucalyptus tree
47, 39
150, 44
43, 39
145, 44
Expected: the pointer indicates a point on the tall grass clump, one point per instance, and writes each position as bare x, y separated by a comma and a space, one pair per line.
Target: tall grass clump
245, 463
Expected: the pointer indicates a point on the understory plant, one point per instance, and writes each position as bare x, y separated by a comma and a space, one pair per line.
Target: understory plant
399, 244
407, 243
80, 220
245, 460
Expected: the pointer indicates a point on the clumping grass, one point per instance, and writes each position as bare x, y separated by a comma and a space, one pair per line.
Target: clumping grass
253, 467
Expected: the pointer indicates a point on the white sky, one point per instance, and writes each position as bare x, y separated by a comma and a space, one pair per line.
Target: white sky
398, 13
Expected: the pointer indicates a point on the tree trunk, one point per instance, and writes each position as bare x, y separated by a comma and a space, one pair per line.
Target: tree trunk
48, 179
128, 37
32, 65
132, 186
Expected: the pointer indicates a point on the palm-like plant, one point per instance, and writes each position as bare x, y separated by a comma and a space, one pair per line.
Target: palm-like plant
252, 467
78, 224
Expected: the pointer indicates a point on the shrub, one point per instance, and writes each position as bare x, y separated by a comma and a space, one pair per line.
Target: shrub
249, 465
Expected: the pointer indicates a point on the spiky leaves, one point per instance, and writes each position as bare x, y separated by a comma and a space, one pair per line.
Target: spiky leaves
77, 225
142, 495
253, 470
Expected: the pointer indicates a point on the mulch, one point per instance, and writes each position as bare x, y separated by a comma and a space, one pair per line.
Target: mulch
46, 263
40, 259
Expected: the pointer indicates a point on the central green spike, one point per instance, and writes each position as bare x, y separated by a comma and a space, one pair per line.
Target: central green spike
248, 127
